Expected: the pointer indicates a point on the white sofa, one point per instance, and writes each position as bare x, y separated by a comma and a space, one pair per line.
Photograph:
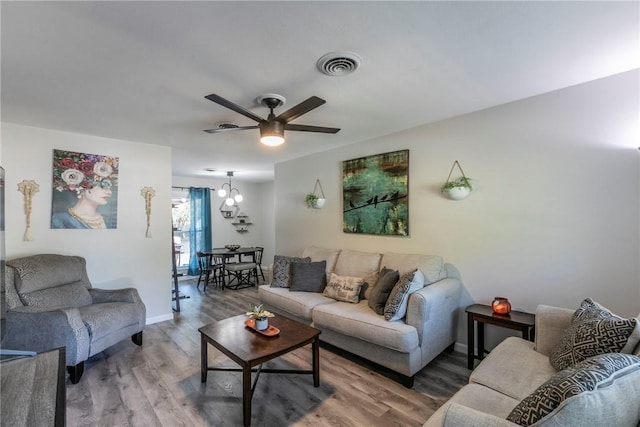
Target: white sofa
404, 346
516, 368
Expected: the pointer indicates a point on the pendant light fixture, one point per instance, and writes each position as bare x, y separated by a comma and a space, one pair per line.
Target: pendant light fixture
231, 199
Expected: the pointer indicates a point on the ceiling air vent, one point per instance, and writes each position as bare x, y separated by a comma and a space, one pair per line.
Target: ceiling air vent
339, 63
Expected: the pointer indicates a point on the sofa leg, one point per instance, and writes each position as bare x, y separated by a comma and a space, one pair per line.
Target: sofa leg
75, 372
406, 381
137, 338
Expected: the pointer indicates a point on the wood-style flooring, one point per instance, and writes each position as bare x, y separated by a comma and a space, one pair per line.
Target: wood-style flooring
158, 384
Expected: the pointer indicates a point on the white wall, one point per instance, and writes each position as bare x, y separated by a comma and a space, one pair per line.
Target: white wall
116, 258
257, 204
555, 214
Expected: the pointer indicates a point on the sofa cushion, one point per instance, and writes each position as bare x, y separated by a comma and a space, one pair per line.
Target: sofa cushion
513, 368
476, 397
396, 306
387, 278
584, 391
106, 318
343, 288
431, 266
282, 270
37, 272
322, 254
594, 330
299, 304
358, 320
71, 295
308, 276
357, 264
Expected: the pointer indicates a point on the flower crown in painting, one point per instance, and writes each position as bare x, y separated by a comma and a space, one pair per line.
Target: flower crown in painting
82, 171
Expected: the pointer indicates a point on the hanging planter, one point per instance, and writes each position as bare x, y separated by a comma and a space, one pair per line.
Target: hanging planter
459, 188
315, 200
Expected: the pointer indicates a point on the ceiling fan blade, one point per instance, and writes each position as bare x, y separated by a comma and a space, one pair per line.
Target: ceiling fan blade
225, 129
300, 109
235, 107
306, 128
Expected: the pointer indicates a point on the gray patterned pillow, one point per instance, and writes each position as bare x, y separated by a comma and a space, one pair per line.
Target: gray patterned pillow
594, 330
585, 376
282, 270
396, 306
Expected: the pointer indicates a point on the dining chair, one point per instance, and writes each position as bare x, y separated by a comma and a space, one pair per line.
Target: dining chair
204, 265
258, 261
217, 270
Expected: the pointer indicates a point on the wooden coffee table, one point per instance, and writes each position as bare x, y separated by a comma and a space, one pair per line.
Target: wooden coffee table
249, 348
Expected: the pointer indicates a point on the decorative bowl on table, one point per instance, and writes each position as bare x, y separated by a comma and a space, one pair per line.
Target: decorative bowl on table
232, 248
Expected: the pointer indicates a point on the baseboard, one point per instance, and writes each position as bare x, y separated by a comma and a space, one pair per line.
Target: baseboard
158, 319
459, 347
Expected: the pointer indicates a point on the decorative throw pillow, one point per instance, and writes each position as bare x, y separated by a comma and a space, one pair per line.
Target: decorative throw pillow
343, 288
282, 270
387, 278
594, 330
396, 306
308, 276
585, 376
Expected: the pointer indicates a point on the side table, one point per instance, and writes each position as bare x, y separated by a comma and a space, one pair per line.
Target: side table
481, 313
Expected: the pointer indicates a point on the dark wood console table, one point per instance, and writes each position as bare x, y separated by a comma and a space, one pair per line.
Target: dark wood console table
480, 313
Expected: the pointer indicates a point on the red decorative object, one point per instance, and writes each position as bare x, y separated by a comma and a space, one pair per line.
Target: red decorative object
271, 331
501, 305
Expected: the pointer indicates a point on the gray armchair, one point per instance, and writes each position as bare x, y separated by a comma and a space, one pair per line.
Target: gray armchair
51, 304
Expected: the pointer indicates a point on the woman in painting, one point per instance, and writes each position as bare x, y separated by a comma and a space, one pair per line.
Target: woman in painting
90, 179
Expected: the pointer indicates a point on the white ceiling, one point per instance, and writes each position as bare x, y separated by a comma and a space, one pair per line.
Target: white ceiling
139, 71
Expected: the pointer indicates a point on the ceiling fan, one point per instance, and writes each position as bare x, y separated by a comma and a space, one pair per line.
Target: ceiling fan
272, 128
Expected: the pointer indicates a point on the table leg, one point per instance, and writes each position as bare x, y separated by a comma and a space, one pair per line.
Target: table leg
481, 340
470, 341
203, 360
246, 395
316, 362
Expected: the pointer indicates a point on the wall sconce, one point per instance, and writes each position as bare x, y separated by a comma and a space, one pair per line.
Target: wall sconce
231, 199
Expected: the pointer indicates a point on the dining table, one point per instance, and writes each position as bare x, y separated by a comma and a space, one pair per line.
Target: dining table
227, 254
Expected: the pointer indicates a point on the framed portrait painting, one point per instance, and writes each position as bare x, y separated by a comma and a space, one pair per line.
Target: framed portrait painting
375, 193
85, 191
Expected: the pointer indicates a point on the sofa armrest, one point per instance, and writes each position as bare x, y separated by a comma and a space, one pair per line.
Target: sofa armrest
269, 276
435, 305
100, 296
38, 329
550, 323
458, 415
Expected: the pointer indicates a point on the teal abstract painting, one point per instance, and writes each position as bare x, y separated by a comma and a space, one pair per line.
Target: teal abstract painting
375, 194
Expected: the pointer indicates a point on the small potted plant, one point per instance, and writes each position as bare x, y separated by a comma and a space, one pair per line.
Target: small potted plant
313, 201
457, 189
260, 316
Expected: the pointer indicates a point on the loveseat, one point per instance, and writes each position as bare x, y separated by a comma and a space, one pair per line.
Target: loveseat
51, 304
521, 374
404, 346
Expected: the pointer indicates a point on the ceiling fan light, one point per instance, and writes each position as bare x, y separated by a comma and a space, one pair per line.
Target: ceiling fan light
272, 133
272, 140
